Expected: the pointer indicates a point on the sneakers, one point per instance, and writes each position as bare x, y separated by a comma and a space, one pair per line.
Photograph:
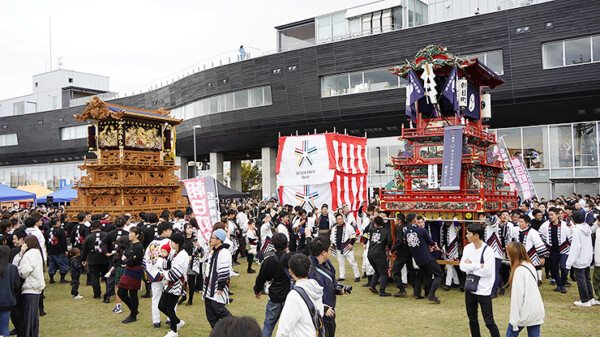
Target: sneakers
553, 282
233, 273
341, 279
157, 325
251, 271
594, 302
117, 309
180, 324
129, 319
172, 333
583, 304
78, 297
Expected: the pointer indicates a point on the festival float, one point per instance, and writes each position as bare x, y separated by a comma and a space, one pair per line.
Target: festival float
450, 169
134, 169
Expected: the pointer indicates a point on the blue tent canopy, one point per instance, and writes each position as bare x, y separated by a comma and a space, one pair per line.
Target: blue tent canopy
12, 194
65, 194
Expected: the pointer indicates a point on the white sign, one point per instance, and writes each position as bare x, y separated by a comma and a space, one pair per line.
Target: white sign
461, 86
432, 177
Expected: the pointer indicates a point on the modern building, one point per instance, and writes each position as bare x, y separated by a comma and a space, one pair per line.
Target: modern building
330, 73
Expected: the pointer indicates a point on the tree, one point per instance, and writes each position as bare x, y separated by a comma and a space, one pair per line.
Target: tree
251, 175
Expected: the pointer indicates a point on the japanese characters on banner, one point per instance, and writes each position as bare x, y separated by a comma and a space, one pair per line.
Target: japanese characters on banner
202, 193
432, 177
452, 158
523, 177
505, 157
505, 173
322, 169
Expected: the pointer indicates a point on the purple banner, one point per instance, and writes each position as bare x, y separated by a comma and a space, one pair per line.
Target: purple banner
452, 160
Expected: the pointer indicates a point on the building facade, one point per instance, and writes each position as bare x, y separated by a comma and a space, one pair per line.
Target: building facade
330, 74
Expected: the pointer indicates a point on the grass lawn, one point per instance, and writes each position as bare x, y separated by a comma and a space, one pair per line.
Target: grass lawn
358, 314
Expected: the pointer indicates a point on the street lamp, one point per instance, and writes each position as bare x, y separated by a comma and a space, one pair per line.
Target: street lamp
195, 162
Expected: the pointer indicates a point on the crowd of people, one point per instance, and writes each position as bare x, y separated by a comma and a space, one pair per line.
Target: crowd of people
165, 256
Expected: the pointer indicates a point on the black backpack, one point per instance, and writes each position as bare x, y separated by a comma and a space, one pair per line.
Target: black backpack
314, 314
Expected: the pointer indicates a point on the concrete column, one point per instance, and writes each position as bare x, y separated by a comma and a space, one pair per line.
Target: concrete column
216, 166
236, 175
269, 178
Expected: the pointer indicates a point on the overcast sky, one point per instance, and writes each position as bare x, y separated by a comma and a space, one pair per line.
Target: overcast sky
136, 42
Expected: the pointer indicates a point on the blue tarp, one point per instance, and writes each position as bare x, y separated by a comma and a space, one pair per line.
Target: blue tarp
12, 194
65, 194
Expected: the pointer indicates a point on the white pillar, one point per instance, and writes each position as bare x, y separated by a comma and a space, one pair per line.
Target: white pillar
269, 178
236, 175
216, 166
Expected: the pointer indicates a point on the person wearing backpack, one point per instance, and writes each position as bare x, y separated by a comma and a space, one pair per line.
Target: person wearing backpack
56, 244
302, 314
93, 255
479, 263
273, 270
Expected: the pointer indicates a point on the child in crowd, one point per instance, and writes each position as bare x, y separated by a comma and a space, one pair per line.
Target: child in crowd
117, 267
76, 269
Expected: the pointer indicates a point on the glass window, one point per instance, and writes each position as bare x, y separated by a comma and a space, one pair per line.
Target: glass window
512, 139
397, 17
553, 55
586, 152
596, 48
479, 56
188, 111
339, 25
577, 51
356, 82
493, 60
380, 79
256, 98
241, 99
267, 95
213, 105
535, 147
18, 108
334, 85
229, 102
323, 28
204, 107
221, 103
73, 132
354, 26
561, 147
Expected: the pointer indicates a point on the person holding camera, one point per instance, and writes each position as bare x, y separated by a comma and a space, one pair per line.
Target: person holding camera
479, 262
380, 239
323, 272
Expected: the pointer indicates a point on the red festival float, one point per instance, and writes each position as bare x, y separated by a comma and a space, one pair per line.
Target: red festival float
449, 169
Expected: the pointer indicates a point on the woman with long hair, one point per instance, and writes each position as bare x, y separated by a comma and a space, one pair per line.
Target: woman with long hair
526, 304
193, 249
9, 285
131, 280
30, 264
117, 266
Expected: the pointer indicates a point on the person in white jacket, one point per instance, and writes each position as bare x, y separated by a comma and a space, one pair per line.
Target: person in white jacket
596, 277
216, 278
480, 260
526, 304
296, 319
30, 264
580, 259
174, 271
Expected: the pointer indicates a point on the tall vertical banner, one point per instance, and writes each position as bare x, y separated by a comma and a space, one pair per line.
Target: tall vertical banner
432, 176
202, 193
523, 177
452, 158
505, 157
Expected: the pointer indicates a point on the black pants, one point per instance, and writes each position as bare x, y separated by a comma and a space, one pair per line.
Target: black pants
191, 287
471, 302
399, 263
130, 298
167, 305
215, 311
329, 325
41, 304
250, 258
29, 320
433, 277
110, 286
584, 283
199, 280
96, 272
558, 263
381, 273
75, 284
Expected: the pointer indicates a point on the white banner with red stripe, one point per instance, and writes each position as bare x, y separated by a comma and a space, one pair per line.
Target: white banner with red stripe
349, 189
347, 154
